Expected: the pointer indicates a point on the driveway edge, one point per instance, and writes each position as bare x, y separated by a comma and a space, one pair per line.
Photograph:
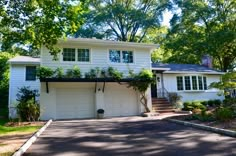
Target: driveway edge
203, 127
30, 141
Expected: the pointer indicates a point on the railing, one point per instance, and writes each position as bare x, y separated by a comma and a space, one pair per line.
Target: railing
163, 93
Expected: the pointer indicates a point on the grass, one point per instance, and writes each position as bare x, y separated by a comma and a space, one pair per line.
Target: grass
8, 130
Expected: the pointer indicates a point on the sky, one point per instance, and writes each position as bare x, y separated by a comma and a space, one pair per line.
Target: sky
166, 18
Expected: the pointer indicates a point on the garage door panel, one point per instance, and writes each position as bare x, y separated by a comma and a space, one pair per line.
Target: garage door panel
75, 103
120, 101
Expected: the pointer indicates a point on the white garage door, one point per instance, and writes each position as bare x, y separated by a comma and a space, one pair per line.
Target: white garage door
75, 103
120, 101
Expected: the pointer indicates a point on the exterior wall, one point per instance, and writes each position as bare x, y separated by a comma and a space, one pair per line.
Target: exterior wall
170, 85
17, 80
48, 102
99, 58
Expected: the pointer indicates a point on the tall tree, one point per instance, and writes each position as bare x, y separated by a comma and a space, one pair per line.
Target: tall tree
32, 23
204, 27
123, 20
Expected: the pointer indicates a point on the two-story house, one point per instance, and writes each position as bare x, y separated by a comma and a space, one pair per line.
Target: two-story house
67, 99
63, 98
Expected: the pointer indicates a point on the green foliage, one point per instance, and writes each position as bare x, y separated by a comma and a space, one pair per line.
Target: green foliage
224, 114
189, 106
122, 20
27, 108
114, 73
210, 102
91, 74
44, 72
73, 73
203, 27
59, 72
4, 82
38, 22
227, 83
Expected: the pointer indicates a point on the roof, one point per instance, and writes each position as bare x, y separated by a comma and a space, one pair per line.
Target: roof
184, 68
24, 60
94, 41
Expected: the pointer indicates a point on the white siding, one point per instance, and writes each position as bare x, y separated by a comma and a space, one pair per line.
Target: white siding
170, 84
99, 58
17, 80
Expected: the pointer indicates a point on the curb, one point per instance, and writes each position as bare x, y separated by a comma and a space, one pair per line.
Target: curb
206, 128
33, 138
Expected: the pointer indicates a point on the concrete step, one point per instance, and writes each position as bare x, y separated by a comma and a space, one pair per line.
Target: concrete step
162, 107
163, 111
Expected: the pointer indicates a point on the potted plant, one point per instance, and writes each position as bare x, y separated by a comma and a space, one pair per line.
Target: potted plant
100, 113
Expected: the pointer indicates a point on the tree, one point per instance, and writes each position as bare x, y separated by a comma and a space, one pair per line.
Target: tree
4, 80
32, 23
204, 27
123, 20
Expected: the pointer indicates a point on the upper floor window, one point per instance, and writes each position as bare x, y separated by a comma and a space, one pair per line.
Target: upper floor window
30, 74
82, 55
191, 82
118, 56
68, 54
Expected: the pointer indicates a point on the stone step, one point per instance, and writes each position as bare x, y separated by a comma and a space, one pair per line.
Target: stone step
163, 111
162, 107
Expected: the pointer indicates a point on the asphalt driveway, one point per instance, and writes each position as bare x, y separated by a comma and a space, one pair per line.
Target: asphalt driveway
129, 136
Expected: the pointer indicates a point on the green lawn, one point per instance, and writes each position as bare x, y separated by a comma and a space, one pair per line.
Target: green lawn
7, 130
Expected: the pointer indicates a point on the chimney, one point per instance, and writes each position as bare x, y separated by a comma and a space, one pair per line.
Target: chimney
207, 61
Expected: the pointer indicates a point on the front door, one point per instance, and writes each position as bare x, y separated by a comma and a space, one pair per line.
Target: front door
159, 85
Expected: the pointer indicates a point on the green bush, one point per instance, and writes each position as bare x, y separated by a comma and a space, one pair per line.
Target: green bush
210, 103
73, 73
91, 74
27, 108
204, 103
188, 106
44, 72
224, 114
217, 102
114, 73
59, 72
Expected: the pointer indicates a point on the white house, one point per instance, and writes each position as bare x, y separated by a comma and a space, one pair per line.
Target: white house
80, 98
64, 99
191, 81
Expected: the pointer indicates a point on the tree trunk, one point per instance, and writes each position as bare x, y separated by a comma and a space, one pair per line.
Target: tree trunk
144, 100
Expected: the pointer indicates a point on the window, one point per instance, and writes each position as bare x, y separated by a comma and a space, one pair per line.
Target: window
187, 83
194, 82
83, 55
68, 54
127, 56
191, 82
117, 56
114, 56
180, 83
30, 74
200, 83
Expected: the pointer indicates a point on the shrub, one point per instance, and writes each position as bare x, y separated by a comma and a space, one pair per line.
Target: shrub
188, 106
224, 114
217, 102
197, 111
204, 103
114, 73
27, 107
44, 72
210, 103
174, 98
91, 74
73, 73
59, 73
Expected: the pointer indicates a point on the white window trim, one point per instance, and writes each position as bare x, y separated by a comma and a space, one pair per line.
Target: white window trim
121, 56
76, 56
25, 73
191, 90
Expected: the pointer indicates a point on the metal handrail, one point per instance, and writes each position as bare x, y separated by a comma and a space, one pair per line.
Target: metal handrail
162, 93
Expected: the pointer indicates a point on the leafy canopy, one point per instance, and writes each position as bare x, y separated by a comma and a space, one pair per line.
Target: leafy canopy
32, 23
123, 20
203, 27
